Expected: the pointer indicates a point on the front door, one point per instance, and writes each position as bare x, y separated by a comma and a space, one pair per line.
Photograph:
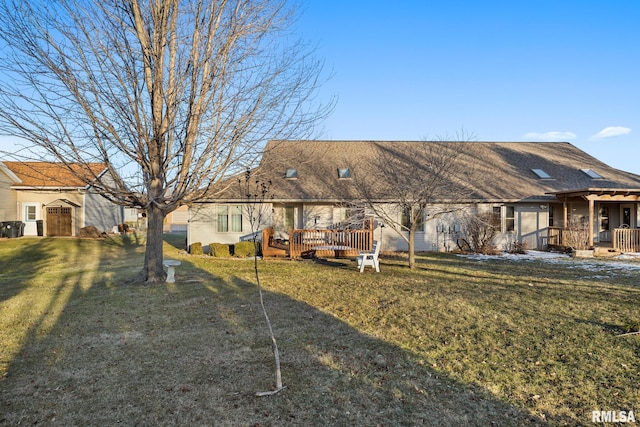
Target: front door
30, 215
58, 221
627, 216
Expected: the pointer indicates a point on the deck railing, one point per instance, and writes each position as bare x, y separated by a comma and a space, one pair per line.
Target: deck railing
329, 242
626, 239
622, 239
556, 236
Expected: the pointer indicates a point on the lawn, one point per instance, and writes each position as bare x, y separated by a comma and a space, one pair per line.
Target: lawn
458, 341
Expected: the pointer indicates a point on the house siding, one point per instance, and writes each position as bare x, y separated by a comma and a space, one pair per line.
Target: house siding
203, 225
8, 200
440, 234
101, 213
42, 199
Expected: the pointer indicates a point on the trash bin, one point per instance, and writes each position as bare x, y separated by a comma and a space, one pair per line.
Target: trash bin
21, 228
13, 229
40, 227
10, 229
3, 229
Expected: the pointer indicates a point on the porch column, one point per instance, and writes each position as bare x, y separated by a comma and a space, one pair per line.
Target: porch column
565, 219
591, 220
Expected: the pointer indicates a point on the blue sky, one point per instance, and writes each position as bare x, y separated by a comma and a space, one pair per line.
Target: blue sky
501, 70
562, 70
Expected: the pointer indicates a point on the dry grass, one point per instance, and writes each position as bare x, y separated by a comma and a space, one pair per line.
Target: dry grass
457, 342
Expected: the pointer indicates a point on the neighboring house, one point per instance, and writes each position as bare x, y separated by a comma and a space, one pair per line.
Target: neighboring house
177, 220
535, 189
47, 192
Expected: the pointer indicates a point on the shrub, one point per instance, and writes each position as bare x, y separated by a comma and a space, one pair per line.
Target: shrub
577, 235
219, 250
481, 230
195, 248
517, 248
244, 249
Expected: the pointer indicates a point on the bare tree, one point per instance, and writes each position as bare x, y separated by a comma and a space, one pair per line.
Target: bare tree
256, 192
413, 183
174, 96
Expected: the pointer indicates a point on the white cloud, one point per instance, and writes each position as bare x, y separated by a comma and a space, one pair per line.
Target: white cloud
549, 136
611, 131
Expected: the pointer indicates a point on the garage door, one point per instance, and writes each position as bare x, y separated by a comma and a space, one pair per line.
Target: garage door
58, 221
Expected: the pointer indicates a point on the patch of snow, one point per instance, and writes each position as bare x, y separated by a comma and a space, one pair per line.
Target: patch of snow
622, 264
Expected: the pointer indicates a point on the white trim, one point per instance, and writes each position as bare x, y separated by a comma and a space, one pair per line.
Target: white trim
9, 173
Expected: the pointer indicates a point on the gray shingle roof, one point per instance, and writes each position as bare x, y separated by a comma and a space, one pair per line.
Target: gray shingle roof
492, 171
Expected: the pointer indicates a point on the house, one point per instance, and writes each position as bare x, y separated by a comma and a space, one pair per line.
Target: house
536, 189
52, 201
176, 221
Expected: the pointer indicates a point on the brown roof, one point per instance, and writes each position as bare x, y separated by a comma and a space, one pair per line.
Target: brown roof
50, 174
490, 171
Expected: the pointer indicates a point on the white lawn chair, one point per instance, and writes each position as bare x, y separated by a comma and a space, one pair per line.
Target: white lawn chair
369, 258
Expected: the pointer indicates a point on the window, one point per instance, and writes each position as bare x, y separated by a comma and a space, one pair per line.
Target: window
291, 173
541, 173
496, 218
405, 220
505, 218
289, 217
344, 173
604, 218
551, 216
591, 173
236, 219
510, 218
229, 212
223, 219
30, 213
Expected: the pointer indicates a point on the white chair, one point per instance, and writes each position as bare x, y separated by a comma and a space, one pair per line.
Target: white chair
369, 258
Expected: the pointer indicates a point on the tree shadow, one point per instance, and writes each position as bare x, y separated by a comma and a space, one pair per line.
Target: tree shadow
24, 257
176, 239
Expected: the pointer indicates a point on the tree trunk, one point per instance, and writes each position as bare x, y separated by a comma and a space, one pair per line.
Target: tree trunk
412, 249
153, 269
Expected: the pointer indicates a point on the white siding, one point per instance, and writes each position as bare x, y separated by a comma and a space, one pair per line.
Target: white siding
203, 225
440, 233
8, 201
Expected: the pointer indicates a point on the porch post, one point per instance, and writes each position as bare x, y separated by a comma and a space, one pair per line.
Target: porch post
591, 221
565, 219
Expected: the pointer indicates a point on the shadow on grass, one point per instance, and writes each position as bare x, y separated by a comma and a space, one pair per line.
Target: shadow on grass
196, 351
20, 260
176, 239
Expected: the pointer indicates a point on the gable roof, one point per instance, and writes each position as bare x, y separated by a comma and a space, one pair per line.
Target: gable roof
494, 171
12, 176
53, 175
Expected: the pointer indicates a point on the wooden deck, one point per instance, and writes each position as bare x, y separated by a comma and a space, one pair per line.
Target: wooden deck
321, 243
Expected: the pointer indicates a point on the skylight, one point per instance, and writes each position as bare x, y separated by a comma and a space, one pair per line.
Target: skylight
592, 174
541, 173
344, 173
291, 173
